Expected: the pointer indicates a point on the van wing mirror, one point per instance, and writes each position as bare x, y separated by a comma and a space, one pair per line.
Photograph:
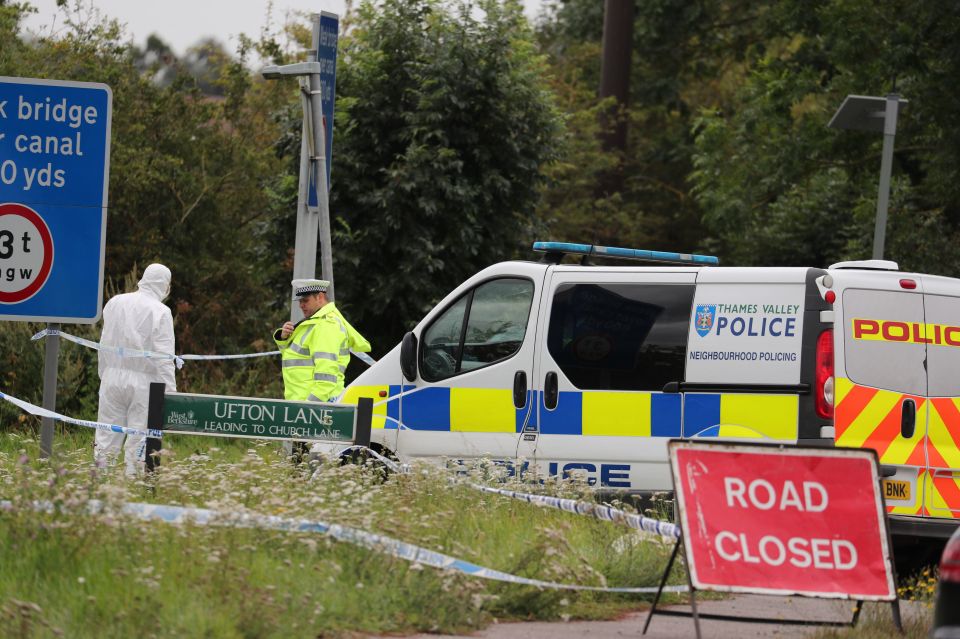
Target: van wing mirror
408, 356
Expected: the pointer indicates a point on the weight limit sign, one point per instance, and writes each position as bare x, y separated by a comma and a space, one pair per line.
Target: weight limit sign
26, 253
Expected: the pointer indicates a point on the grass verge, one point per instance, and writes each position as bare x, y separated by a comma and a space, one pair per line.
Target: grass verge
67, 573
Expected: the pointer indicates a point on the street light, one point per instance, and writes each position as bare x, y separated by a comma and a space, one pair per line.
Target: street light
870, 113
312, 160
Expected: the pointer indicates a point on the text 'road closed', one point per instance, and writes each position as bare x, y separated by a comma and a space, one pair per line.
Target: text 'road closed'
782, 520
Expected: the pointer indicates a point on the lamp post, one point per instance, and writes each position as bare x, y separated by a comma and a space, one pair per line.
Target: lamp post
313, 163
870, 113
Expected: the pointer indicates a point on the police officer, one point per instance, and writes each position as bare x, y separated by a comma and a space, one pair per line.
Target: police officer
315, 351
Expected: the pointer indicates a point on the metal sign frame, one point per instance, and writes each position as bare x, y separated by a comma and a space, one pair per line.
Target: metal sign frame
674, 445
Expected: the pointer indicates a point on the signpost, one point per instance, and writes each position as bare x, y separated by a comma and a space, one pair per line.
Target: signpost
54, 174
779, 520
255, 418
317, 78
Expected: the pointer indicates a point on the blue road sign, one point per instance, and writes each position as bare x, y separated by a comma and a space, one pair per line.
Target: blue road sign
327, 57
54, 173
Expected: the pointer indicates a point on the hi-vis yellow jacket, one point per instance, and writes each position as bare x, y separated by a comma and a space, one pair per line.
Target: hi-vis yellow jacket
316, 354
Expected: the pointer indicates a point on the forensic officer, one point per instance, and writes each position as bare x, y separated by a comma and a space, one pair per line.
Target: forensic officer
315, 351
138, 321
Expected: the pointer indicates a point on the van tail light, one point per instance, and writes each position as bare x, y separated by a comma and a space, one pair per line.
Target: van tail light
823, 389
950, 562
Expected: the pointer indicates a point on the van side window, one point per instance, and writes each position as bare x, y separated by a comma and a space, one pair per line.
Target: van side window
484, 326
620, 336
878, 349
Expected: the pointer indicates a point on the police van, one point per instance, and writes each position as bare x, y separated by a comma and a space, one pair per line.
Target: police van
589, 369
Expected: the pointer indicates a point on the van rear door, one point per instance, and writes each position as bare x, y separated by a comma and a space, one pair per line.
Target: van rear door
942, 312
881, 378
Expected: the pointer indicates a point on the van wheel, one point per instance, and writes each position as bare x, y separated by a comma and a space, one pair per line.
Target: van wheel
363, 458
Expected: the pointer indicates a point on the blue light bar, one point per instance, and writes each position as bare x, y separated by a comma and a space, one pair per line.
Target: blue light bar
625, 253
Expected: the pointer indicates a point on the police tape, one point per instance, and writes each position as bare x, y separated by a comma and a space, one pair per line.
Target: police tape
602, 512
177, 359
109, 428
117, 350
598, 511
372, 541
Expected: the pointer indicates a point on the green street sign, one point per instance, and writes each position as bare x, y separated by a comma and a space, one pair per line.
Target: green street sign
222, 416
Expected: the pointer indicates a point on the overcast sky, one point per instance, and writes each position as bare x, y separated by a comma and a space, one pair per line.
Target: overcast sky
182, 23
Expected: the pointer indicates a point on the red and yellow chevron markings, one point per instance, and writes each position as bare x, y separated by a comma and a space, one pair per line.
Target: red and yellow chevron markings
871, 418
942, 489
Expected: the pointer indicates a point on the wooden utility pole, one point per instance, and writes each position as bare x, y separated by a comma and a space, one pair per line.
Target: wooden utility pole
615, 82
615, 69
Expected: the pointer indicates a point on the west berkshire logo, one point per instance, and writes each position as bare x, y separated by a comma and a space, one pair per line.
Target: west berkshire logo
704, 320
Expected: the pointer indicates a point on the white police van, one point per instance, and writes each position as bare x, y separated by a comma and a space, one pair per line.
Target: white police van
590, 369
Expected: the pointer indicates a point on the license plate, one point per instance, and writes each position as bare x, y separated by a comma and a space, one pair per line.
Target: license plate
896, 490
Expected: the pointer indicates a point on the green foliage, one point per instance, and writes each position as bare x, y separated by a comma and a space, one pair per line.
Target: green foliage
683, 54
443, 126
187, 180
778, 187
187, 175
728, 148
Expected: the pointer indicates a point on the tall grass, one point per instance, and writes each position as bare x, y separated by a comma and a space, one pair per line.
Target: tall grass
66, 573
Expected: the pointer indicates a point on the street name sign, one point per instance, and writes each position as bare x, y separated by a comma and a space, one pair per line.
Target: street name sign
54, 175
783, 520
251, 417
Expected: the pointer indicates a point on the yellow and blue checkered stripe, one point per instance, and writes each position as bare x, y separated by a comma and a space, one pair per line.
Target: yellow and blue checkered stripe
435, 408
386, 414
741, 415
600, 413
464, 410
625, 414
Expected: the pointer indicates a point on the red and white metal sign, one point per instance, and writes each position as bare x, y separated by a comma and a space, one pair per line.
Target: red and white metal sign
26, 253
772, 520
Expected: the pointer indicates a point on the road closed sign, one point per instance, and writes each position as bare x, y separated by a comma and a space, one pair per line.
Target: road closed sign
54, 173
772, 520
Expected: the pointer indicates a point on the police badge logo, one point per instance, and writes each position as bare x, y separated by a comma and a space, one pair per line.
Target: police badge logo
704, 320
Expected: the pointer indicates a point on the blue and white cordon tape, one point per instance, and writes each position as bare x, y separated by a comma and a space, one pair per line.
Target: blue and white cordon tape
178, 359
598, 511
110, 428
380, 543
604, 513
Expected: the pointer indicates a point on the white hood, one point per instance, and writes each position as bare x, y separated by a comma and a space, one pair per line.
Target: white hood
155, 281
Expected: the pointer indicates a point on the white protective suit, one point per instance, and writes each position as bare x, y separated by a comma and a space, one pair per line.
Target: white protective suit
139, 321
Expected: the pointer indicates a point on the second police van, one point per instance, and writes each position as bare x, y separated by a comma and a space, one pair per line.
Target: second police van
590, 369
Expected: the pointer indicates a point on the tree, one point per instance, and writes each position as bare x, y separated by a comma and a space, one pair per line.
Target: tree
444, 124
778, 187
186, 188
685, 55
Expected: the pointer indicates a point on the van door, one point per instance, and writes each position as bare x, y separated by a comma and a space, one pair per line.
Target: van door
611, 341
744, 362
881, 378
942, 311
475, 363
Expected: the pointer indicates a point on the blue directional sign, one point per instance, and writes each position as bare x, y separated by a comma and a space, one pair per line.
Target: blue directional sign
54, 173
327, 57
